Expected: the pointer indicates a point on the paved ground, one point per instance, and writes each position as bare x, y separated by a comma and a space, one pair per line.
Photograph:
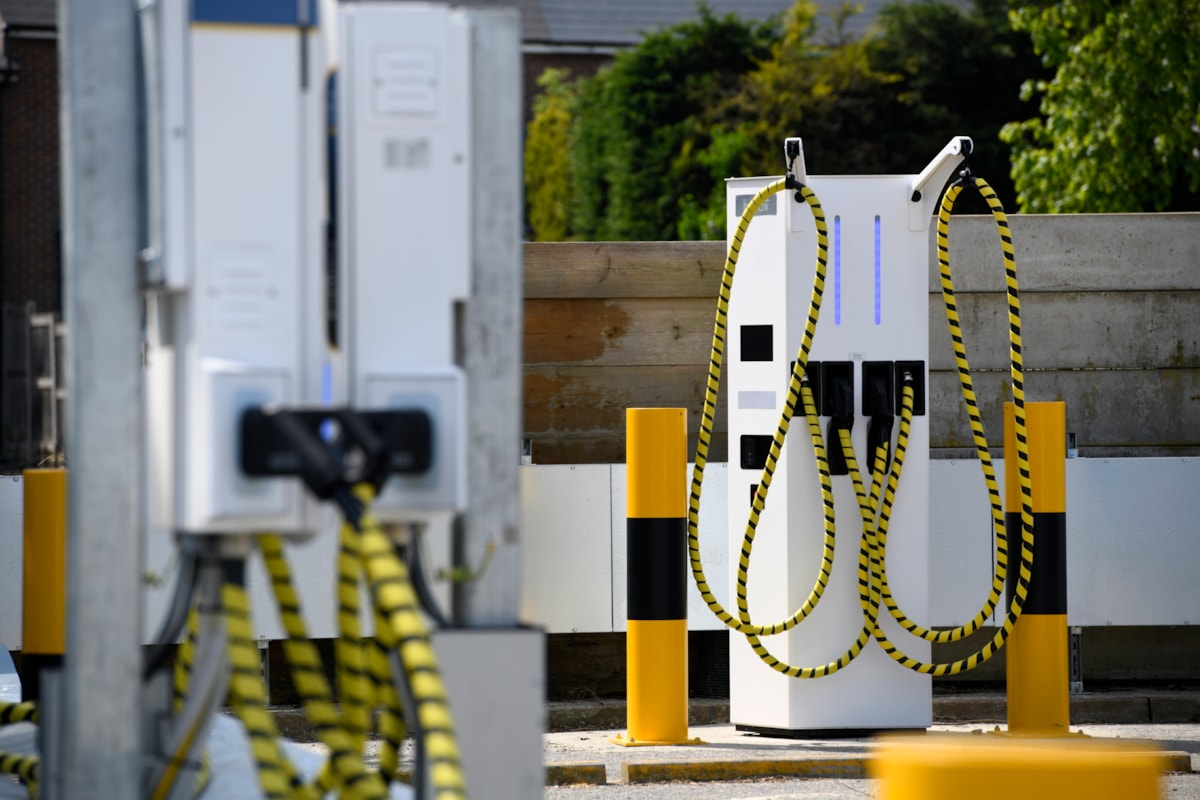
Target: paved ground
738, 765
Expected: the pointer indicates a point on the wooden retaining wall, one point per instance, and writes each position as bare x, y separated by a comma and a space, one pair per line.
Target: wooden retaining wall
1111, 319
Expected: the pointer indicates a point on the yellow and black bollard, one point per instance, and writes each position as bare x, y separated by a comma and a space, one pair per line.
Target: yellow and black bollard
1038, 662
656, 536
44, 594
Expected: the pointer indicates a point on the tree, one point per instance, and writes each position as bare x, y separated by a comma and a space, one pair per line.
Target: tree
643, 121
960, 72
547, 158
889, 101
653, 136
1119, 128
830, 94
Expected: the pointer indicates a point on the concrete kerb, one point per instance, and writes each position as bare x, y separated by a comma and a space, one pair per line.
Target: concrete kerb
583, 756
1107, 708
1124, 708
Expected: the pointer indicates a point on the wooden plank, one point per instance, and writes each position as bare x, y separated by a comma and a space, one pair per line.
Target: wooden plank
623, 269
1076, 252
1069, 330
1085, 252
619, 331
1153, 412
586, 405
1074, 330
606, 449
577, 415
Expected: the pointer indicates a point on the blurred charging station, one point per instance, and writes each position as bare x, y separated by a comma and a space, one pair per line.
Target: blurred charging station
321, 297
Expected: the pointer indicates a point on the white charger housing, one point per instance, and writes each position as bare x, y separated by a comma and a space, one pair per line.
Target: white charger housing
873, 327
235, 298
404, 222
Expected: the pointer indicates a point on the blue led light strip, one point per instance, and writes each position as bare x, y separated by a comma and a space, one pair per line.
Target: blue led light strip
837, 270
878, 277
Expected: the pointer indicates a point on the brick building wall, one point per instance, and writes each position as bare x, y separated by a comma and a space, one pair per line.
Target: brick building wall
29, 177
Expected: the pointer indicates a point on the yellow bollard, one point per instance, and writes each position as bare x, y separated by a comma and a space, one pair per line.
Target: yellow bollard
1038, 650
986, 768
656, 537
44, 594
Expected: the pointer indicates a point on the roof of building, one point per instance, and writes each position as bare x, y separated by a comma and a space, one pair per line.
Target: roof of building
605, 23
619, 23
29, 13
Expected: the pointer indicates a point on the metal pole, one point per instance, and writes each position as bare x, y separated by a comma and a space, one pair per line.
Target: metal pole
490, 328
101, 742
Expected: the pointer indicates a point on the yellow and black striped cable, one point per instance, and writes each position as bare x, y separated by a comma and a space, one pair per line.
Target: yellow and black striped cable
184, 658
11, 713
345, 765
869, 591
879, 532
396, 601
796, 389
276, 774
27, 768
181, 685
392, 729
1022, 454
354, 685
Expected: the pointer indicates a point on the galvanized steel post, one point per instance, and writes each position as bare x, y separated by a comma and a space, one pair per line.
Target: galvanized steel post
656, 571
1038, 662
100, 753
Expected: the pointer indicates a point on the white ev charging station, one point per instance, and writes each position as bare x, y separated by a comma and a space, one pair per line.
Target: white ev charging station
404, 179
872, 333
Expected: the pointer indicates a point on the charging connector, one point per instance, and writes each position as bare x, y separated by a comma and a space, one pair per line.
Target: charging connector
838, 403
877, 406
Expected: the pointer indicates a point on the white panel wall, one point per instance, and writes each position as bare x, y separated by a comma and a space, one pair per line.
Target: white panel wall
11, 559
568, 557
1132, 540
1132, 543
962, 552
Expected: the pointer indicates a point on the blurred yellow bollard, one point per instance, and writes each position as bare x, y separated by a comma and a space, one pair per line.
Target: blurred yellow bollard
950, 767
44, 594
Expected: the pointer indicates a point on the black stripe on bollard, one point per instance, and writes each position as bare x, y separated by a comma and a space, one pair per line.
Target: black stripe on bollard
1048, 583
656, 586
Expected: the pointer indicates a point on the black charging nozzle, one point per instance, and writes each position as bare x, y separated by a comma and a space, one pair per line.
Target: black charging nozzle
332, 449
838, 403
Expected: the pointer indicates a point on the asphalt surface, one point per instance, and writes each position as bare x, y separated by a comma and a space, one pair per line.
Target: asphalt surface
787, 768
588, 765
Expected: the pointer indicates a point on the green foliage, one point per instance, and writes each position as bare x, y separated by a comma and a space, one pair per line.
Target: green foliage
548, 177
889, 101
1119, 128
644, 121
829, 94
652, 137
960, 73
704, 217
